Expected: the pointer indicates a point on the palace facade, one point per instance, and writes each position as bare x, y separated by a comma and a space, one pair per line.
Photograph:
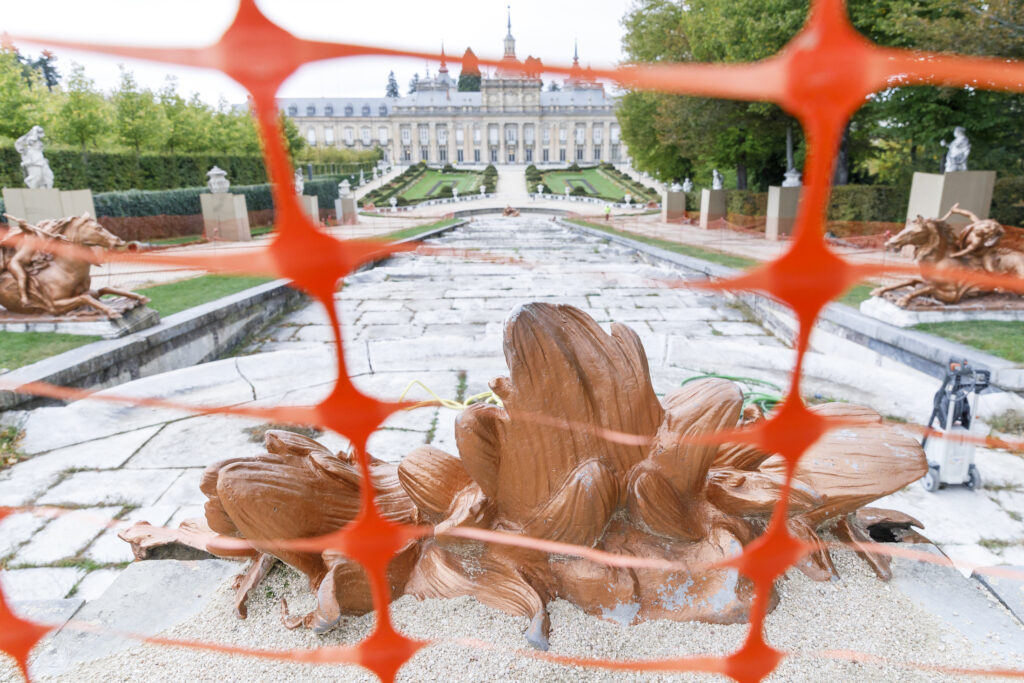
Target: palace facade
511, 120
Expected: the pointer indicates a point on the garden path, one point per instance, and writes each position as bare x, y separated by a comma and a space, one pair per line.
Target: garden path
437, 320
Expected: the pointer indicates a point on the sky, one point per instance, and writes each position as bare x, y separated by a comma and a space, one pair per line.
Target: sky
542, 28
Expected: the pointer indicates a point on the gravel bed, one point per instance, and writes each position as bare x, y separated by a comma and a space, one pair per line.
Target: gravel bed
857, 612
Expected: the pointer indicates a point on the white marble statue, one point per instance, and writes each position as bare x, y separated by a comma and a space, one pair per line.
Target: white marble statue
345, 189
33, 163
675, 187
687, 185
540, 188
362, 178
716, 180
218, 180
300, 182
791, 178
959, 149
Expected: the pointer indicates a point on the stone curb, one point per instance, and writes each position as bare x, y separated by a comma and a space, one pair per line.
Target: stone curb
918, 350
194, 336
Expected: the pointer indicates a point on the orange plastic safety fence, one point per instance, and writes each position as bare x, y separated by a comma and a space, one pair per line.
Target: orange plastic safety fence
821, 77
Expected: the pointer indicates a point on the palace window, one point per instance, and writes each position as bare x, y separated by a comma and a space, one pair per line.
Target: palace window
615, 133
529, 153
382, 110
511, 133
615, 152
382, 135
492, 135
424, 154
597, 154
442, 135
365, 136
328, 136
328, 110
579, 154
476, 134
528, 134
311, 137
545, 135
311, 110
458, 155
476, 155
366, 110
511, 156
563, 133
293, 110
598, 134
406, 154
350, 135
581, 134
494, 155
545, 154
406, 135
561, 153
442, 154
460, 135
424, 134
349, 110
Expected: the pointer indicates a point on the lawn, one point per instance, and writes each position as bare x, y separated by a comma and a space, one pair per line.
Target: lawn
18, 349
728, 260
177, 296
856, 294
195, 239
602, 185
428, 186
998, 337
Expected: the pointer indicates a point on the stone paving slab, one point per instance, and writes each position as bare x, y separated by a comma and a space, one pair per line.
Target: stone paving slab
40, 583
109, 549
195, 442
124, 487
145, 599
54, 613
65, 536
1009, 591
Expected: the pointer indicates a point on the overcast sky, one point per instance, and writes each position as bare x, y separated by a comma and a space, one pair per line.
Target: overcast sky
542, 28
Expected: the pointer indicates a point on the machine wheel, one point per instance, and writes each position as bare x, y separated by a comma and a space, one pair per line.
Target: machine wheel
973, 478
930, 481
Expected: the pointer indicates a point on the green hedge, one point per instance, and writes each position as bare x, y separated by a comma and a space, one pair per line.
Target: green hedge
1008, 201
869, 203
111, 171
185, 201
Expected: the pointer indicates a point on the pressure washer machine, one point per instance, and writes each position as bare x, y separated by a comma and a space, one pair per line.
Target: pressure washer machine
950, 458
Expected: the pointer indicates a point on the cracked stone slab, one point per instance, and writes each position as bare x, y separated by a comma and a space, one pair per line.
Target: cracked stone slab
196, 442
1008, 590
53, 613
125, 487
65, 536
39, 583
145, 599
16, 529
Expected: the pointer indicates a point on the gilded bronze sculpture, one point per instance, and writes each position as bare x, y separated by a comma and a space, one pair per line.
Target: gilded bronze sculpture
38, 282
557, 477
936, 243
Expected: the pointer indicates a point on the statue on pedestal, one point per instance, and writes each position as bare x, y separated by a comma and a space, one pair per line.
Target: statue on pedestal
936, 243
300, 182
687, 185
716, 180
958, 151
33, 163
675, 187
35, 281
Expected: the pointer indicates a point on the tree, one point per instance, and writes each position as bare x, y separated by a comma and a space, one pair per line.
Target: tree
16, 98
45, 65
82, 115
392, 88
414, 83
293, 139
176, 113
469, 77
138, 118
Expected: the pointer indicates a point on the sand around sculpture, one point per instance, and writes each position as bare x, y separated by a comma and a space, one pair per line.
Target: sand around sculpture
541, 465
34, 281
936, 243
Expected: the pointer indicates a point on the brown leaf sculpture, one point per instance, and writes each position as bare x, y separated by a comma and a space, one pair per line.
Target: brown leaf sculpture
581, 452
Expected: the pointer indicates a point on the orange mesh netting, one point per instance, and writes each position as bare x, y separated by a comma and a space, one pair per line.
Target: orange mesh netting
821, 77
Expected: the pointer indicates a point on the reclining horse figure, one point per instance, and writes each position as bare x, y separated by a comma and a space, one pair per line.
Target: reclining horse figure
35, 281
936, 243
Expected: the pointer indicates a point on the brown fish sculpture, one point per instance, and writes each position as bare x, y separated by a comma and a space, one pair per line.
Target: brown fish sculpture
541, 466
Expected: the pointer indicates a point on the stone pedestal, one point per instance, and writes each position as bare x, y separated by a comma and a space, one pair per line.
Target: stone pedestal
345, 210
932, 194
311, 206
41, 204
673, 206
781, 212
225, 217
712, 206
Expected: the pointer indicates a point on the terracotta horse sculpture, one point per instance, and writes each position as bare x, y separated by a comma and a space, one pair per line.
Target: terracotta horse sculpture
34, 281
541, 466
936, 243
